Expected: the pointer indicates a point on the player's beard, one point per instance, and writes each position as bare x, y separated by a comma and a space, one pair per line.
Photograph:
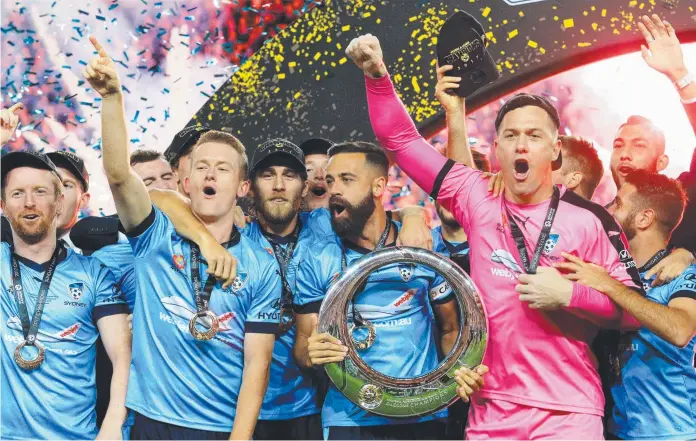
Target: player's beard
274, 213
353, 224
446, 218
36, 231
628, 225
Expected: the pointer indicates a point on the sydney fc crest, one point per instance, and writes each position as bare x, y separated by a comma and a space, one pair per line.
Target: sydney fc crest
75, 290
406, 271
551, 243
239, 281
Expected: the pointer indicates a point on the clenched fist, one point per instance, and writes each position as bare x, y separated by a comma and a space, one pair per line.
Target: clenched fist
101, 72
366, 53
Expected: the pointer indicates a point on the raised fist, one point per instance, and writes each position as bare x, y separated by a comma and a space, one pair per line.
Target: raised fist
101, 72
366, 53
9, 120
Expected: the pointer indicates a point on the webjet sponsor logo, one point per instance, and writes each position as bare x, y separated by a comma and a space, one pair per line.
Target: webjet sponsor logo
511, 270
68, 334
408, 295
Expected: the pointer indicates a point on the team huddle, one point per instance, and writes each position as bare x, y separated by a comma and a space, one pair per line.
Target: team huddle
197, 306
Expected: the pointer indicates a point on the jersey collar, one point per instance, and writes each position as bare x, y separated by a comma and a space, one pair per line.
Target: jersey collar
42, 267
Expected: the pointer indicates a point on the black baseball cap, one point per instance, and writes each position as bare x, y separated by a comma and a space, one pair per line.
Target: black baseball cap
316, 146
279, 147
461, 43
528, 99
183, 143
72, 162
15, 160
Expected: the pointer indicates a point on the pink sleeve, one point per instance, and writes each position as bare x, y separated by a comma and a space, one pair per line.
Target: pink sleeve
609, 251
456, 187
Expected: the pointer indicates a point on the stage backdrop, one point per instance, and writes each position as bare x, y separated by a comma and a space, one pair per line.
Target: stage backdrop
300, 84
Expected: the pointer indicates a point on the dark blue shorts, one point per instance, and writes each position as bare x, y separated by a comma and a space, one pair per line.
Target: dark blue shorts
425, 431
147, 428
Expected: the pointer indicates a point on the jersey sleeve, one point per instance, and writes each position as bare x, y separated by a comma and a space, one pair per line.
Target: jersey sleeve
456, 187
128, 286
608, 250
146, 237
684, 286
315, 275
260, 318
109, 299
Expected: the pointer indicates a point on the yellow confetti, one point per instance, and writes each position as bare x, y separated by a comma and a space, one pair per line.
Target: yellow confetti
642, 5
632, 3
317, 56
505, 22
486, 11
508, 64
521, 14
417, 58
555, 17
342, 60
542, 50
297, 95
568, 23
276, 90
289, 104
412, 19
281, 76
379, 20
512, 34
595, 26
367, 14
318, 77
584, 44
345, 28
292, 64
338, 45
414, 82
532, 43
604, 12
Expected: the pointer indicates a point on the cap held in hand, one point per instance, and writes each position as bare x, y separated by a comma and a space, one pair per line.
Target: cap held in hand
462, 44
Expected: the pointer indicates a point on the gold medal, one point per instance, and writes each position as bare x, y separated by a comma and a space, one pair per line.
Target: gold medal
29, 365
204, 335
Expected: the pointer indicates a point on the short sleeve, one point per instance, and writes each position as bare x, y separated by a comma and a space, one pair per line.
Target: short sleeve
109, 299
684, 286
146, 237
460, 189
315, 275
262, 317
440, 291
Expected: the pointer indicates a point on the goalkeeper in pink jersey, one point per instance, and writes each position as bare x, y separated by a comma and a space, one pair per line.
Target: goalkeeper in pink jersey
543, 380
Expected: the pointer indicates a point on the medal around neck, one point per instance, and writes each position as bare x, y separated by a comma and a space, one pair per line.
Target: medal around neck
29, 365
401, 397
462, 44
209, 320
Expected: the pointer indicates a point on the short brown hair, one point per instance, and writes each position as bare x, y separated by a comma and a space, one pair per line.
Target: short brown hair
230, 140
144, 155
663, 195
581, 155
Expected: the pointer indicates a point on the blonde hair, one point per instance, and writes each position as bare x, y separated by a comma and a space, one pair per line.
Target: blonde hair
57, 185
230, 140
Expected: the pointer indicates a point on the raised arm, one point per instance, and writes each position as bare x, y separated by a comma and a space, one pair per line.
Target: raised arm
458, 148
130, 194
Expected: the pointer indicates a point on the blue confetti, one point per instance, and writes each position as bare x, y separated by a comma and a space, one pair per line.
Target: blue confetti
135, 118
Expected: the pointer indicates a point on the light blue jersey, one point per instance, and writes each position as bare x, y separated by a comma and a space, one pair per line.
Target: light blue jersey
655, 398
119, 258
460, 250
397, 300
174, 378
292, 392
57, 400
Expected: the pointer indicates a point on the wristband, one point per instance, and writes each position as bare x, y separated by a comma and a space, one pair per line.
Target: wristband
685, 81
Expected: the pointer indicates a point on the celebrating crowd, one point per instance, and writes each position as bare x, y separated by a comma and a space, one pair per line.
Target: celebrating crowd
193, 313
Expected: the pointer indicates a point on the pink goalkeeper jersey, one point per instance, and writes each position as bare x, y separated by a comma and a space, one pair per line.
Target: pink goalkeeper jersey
538, 359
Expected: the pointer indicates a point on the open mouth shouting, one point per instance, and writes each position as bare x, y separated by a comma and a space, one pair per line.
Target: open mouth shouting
337, 208
521, 169
319, 190
209, 191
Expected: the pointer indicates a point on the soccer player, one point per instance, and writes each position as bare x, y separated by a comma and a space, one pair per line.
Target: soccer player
639, 144
396, 299
656, 392
522, 398
316, 158
73, 173
451, 240
178, 154
152, 168
55, 303
200, 348
582, 170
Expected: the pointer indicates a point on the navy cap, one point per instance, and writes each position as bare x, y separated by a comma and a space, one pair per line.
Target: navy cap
281, 147
183, 143
316, 146
72, 162
14, 160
